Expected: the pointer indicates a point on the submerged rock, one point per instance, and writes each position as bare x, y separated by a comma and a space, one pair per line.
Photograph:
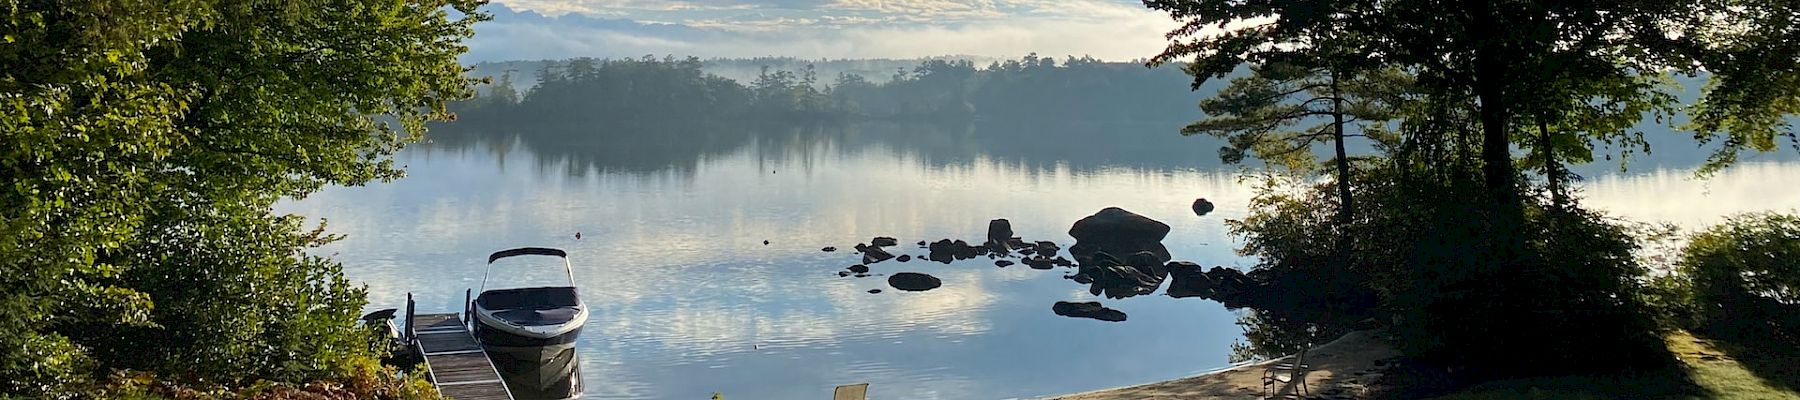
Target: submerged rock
1091, 309
1187, 279
914, 282
1017, 243
873, 255
883, 241
1115, 279
945, 251
1202, 207
1116, 231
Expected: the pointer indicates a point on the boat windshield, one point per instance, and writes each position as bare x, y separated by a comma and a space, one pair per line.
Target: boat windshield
527, 270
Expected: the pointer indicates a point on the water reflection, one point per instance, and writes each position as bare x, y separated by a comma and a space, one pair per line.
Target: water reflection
687, 300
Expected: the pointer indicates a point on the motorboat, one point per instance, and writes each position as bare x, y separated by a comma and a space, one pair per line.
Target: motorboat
529, 332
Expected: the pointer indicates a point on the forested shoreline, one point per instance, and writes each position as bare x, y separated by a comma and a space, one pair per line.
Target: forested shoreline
583, 91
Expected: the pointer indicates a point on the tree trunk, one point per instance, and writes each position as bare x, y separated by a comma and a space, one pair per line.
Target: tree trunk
1496, 146
1346, 208
1553, 176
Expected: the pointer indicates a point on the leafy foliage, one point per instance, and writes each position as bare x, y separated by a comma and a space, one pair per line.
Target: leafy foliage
147, 142
1739, 278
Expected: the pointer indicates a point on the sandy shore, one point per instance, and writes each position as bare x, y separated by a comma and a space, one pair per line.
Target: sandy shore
1340, 369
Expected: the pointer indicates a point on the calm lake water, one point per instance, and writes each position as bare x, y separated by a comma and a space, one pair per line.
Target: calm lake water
687, 300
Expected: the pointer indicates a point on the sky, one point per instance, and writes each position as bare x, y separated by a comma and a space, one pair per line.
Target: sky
1117, 30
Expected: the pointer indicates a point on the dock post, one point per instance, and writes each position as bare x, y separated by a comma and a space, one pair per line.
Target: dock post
468, 308
409, 335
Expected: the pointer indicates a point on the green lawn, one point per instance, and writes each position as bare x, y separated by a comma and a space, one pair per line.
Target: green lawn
1707, 373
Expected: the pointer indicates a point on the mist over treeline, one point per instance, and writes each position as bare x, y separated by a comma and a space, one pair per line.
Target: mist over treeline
652, 89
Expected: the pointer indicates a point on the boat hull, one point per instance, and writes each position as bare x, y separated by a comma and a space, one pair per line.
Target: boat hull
534, 368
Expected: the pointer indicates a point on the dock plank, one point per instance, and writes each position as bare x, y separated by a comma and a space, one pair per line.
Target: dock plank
456, 363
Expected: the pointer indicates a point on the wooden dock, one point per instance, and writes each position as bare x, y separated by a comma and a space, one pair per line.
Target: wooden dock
458, 366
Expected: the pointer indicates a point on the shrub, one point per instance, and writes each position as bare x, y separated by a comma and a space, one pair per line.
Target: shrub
1741, 278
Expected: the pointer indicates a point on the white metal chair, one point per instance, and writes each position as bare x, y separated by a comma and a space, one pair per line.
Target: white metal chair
1287, 372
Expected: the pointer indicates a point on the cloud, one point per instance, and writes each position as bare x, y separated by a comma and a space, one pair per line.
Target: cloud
540, 29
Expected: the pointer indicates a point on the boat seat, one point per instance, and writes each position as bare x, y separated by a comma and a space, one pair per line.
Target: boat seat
555, 316
532, 306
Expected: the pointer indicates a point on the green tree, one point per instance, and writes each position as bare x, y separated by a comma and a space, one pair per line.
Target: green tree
1495, 52
147, 143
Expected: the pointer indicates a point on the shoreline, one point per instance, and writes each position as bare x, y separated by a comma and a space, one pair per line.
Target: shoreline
1343, 366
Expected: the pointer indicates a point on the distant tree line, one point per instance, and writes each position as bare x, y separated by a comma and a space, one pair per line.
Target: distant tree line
584, 91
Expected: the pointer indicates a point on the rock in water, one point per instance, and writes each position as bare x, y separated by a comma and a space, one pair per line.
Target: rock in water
1115, 279
873, 255
1047, 249
1091, 309
859, 268
1187, 279
1002, 263
999, 231
883, 241
1202, 207
1116, 231
828, 249
904, 258
1017, 243
914, 282
874, 291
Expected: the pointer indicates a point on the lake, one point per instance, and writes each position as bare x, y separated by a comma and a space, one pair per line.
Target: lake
687, 299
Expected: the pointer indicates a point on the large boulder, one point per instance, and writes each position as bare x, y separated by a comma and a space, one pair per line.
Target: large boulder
1187, 279
914, 282
1090, 309
999, 231
1116, 231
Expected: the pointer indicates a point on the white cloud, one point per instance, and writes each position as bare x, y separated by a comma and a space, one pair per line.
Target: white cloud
841, 29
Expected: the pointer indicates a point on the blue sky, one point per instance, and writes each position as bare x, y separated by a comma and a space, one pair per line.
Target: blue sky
533, 29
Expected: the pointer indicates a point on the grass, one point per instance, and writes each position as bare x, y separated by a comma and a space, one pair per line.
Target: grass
1707, 372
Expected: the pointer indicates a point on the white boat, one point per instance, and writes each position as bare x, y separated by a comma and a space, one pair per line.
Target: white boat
530, 332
